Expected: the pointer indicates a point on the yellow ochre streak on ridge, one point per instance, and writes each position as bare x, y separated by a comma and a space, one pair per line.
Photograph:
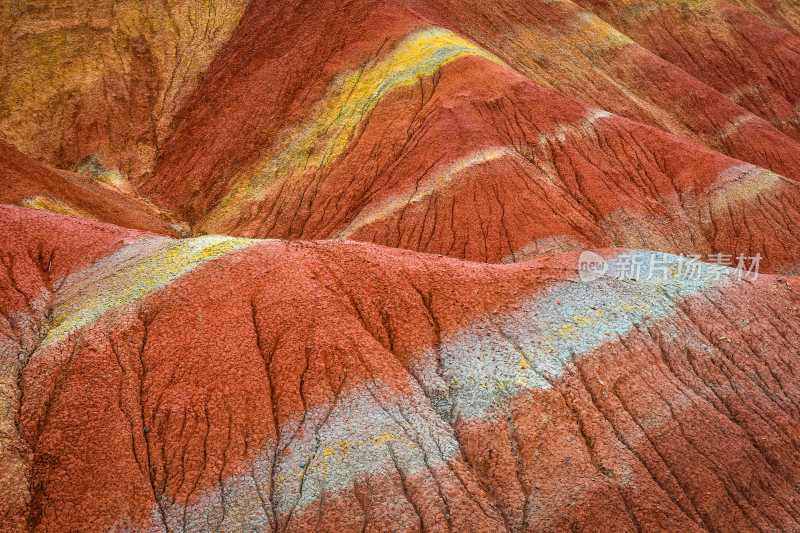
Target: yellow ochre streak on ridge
129, 275
347, 102
48, 203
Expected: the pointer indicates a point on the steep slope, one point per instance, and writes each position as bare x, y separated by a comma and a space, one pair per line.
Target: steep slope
406, 134
102, 79
751, 61
219, 383
431, 125
565, 47
780, 13
24, 181
142, 61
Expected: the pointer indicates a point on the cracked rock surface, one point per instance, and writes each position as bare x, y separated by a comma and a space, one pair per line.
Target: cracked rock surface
232, 384
313, 265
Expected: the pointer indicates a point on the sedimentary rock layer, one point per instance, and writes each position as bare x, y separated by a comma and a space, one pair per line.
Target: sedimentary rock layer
728, 47
414, 128
105, 197
221, 383
490, 131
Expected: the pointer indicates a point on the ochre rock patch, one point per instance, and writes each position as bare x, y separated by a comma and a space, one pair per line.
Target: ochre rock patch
103, 79
264, 385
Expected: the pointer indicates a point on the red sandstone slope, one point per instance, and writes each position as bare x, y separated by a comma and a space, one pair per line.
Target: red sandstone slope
743, 56
24, 181
780, 13
401, 132
215, 383
574, 51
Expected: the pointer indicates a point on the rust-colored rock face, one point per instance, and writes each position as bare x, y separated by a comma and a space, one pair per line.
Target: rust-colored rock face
221, 383
293, 266
106, 197
730, 48
404, 132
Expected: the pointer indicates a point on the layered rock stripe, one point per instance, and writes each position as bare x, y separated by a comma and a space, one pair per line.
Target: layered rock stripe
334, 386
412, 135
731, 48
575, 50
509, 118
27, 182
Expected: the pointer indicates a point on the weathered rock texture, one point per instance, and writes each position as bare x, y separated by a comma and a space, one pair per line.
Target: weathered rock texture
103, 79
107, 197
490, 131
220, 383
424, 126
317, 383
733, 50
